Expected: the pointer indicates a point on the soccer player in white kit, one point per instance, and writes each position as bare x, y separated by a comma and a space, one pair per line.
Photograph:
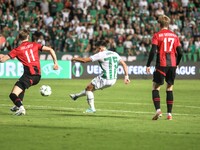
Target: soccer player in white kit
108, 61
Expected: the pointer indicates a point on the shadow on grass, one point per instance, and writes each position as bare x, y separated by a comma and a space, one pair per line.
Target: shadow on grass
45, 126
76, 112
95, 115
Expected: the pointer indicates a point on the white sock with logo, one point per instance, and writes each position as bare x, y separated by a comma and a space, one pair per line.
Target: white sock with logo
90, 99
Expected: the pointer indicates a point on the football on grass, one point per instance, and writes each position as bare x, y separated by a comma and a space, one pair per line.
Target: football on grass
45, 90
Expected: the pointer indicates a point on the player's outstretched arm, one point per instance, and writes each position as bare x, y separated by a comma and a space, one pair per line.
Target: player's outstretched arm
53, 55
126, 77
4, 58
82, 60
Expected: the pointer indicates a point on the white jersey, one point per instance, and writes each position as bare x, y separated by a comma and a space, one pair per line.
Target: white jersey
108, 61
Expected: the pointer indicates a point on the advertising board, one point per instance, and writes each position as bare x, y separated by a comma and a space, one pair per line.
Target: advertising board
14, 69
136, 70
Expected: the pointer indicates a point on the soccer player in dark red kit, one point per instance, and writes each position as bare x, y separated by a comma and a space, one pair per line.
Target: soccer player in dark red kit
28, 54
167, 46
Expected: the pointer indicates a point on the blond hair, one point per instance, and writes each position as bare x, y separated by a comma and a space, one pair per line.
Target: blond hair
164, 21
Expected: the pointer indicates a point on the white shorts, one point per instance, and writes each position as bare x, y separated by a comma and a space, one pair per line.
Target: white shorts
101, 83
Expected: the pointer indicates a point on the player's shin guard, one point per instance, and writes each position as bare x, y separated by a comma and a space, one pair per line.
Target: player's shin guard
82, 93
156, 99
16, 100
169, 101
21, 95
90, 99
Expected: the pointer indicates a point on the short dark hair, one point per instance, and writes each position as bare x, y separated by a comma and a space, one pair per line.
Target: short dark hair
101, 43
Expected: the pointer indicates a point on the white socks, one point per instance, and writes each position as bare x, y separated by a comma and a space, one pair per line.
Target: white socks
158, 110
82, 93
90, 99
169, 114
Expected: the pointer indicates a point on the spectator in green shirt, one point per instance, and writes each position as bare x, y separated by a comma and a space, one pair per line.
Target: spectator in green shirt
10, 39
120, 48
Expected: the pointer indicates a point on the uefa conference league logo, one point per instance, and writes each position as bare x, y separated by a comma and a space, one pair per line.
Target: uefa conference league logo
77, 69
48, 68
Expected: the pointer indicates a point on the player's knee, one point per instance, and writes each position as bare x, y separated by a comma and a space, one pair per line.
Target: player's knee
169, 87
156, 86
90, 87
90, 95
20, 85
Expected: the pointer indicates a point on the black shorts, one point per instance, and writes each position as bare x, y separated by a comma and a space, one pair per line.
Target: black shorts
167, 73
25, 81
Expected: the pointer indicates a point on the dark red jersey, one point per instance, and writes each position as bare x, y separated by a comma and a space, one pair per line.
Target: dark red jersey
167, 42
28, 54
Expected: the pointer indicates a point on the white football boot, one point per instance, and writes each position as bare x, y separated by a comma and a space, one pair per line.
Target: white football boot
21, 111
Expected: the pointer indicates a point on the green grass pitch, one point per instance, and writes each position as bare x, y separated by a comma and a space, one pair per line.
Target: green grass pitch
122, 121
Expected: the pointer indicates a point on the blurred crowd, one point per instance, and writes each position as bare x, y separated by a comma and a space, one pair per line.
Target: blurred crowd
76, 25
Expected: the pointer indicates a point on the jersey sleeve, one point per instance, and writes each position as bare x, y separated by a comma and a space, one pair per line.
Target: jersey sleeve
96, 57
118, 57
155, 39
12, 53
39, 46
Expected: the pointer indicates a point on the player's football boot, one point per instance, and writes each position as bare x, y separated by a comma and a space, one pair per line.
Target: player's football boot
169, 117
89, 110
21, 111
157, 115
14, 108
73, 96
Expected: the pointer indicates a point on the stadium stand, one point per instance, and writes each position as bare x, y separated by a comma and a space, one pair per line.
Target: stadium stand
74, 26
